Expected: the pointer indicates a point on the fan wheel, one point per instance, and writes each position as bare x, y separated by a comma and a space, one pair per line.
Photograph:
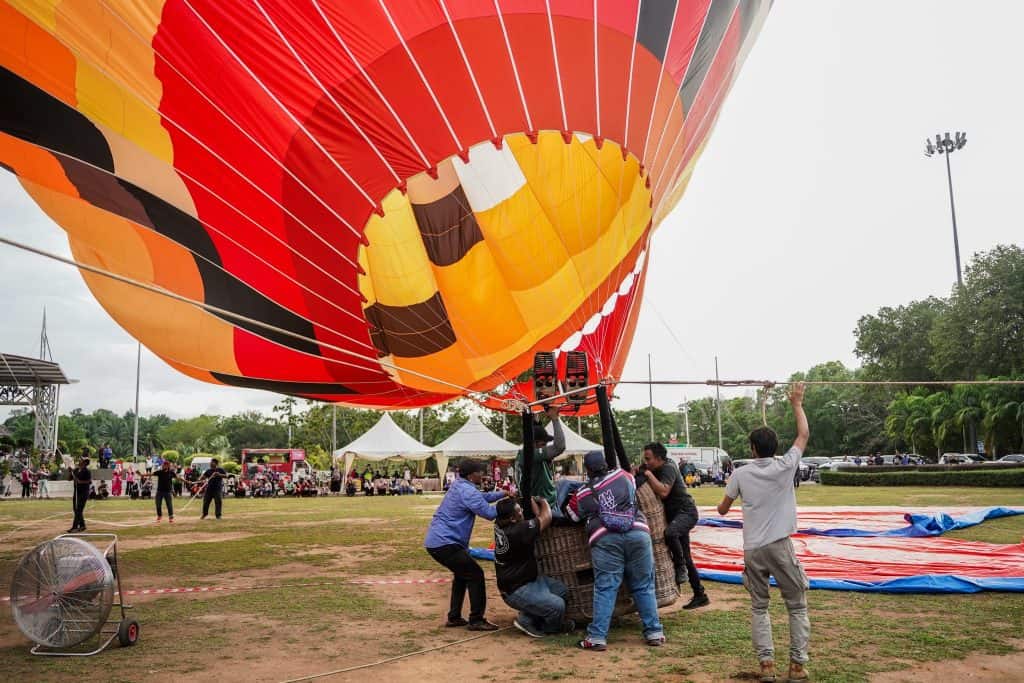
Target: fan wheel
128, 632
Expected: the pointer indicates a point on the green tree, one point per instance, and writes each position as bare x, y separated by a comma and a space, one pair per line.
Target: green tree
982, 332
897, 343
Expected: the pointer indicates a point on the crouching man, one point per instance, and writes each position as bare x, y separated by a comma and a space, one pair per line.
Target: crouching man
540, 599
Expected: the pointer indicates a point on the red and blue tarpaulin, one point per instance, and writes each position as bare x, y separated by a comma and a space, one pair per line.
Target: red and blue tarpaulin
876, 550
871, 549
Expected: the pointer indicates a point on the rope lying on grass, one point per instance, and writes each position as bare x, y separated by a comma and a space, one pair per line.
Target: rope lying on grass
394, 659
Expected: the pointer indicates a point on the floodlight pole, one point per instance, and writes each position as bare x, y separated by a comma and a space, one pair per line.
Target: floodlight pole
334, 428
718, 401
946, 146
650, 396
138, 373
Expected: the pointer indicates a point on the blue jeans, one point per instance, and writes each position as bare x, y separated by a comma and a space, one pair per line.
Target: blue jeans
614, 556
541, 603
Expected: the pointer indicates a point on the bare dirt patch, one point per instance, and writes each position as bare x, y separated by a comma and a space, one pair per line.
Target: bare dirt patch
980, 668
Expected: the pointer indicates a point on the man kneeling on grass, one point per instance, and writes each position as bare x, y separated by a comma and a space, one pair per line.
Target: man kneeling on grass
769, 518
540, 599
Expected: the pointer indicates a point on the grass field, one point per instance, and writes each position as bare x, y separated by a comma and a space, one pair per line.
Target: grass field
283, 627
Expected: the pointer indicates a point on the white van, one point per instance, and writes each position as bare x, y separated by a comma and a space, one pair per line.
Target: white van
201, 464
707, 458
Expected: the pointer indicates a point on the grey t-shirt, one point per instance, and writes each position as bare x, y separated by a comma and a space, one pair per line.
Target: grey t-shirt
769, 499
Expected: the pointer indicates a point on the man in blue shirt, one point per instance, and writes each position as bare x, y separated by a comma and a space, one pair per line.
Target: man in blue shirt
447, 542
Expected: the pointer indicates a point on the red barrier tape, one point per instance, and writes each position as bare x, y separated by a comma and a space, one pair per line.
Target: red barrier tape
221, 589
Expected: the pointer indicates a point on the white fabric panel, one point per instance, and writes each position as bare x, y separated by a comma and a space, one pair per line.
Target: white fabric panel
491, 176
574, 443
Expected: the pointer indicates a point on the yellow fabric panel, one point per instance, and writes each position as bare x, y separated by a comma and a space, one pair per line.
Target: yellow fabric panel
482, 312
31, 52
396, 260
564, 180
102, 101
101, 239
42, 12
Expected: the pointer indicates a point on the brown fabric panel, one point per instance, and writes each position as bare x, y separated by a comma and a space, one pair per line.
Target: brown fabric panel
448, 227
410, 331
102, 189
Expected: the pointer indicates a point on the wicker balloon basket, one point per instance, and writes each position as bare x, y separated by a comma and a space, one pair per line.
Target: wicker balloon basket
563, 553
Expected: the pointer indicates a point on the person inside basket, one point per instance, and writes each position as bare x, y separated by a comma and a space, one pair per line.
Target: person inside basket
769, 518
447, 541
542, 481
620, 547
662, 475
540, 599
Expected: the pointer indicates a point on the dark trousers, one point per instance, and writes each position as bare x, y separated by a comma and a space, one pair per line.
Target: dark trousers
162, 496
78, 502
677, 538
26, 490
207, 497
466, 574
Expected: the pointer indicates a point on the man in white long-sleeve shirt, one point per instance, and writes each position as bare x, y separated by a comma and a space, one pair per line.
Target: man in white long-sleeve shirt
769, 518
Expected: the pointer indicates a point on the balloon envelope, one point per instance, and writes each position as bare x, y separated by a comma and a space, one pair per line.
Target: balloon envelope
381, 203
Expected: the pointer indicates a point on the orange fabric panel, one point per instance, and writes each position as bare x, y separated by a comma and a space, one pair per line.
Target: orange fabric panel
35, 55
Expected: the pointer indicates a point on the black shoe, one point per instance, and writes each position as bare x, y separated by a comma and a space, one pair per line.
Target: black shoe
568, 626
699, 600
456, 623
527, 628
682, 578
72, 530
482, 625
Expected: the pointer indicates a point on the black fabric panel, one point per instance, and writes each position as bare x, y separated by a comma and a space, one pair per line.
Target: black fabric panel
224, 291
655, 24
103, 190
749, 9
410, 331
173, 223
715, 25
30, 114
448, 227
281, 387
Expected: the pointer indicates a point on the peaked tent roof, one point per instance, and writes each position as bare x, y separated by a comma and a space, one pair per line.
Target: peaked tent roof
474, 439
574, 443
386, 440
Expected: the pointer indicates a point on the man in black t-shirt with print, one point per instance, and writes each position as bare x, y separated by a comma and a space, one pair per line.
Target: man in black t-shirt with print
214, 478
540, 599
664, 478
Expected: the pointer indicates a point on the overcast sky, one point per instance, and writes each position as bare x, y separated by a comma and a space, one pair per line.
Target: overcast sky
812, 206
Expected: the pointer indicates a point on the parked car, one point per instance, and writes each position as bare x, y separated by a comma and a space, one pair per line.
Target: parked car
1012, 458
960, 458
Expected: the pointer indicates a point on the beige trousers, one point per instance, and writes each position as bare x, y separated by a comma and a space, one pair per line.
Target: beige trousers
777, 559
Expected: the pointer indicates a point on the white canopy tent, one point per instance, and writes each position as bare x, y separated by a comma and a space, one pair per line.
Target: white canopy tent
382, 441
575, 445
473, 440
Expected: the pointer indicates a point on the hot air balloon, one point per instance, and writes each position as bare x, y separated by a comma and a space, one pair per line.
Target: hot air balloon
382, 203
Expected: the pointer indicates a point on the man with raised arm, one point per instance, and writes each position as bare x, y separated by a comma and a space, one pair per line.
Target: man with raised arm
542, 480
769, 518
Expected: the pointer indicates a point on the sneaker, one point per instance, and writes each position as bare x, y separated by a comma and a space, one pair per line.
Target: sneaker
527, 628
72, 530
656, 641
682, 578
482, 625
171, 520
203, 517
699, 600
797, 672
767, 671
158, 520
456, 623
588, 644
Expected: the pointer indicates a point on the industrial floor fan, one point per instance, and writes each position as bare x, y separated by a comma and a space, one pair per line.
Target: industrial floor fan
63, 592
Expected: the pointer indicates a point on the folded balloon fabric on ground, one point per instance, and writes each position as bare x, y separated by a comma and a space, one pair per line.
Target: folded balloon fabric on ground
881, 554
